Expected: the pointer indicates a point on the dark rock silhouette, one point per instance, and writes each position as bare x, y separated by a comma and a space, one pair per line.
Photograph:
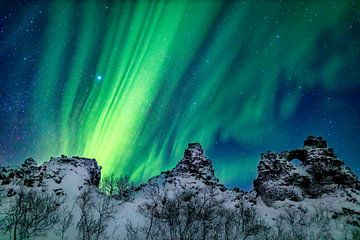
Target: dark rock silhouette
29, 174
319, 172
311, 178
194, 170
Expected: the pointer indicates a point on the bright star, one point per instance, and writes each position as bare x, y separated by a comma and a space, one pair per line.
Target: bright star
99, 77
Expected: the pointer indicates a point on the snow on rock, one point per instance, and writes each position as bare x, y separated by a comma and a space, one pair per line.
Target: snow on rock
320, 172
62, 175
320, 179
195, 165
194, 172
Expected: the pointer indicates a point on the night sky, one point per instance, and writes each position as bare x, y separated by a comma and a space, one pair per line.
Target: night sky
130, 83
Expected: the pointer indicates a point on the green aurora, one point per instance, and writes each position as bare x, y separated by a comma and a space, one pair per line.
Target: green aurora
130, 83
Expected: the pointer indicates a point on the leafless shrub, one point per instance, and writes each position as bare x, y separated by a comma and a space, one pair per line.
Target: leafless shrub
108, 185
65, 220
95, 212
132, 232
190, 215
31, 213
243, 222
304, 223
117, 187
320, 220
291, 223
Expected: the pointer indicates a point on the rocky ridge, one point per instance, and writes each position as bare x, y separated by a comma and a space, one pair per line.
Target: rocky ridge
318, 172
194, 170
63, 175
301, 178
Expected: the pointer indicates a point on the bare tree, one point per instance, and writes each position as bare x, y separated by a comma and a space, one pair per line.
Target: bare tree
108, 184
291, 223
315, 222
124, 186
132, 232
194, 215
243, 222
31, 213
320, 219
117, 187
95, 212
65, 220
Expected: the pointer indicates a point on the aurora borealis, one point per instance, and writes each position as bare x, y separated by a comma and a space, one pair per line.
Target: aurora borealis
130, 83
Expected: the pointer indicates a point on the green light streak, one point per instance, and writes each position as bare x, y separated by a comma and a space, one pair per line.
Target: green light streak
174, 72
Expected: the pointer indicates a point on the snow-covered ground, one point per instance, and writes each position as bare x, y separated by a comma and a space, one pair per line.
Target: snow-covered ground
316, 199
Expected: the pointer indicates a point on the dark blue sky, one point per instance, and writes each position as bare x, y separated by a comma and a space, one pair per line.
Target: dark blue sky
131, 83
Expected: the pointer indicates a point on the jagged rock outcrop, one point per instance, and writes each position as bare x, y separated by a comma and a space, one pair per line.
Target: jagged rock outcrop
195, 164
319, 172
75, 172
194, 171
318, 184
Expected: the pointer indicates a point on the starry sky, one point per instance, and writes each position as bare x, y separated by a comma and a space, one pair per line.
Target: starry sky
130, 83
